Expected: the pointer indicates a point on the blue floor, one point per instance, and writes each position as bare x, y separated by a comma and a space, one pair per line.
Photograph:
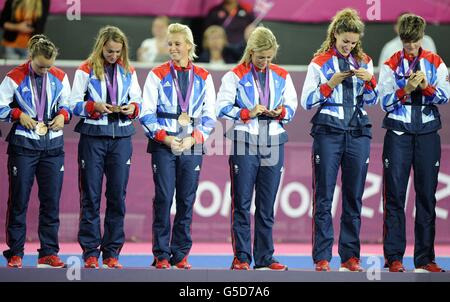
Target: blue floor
224, 261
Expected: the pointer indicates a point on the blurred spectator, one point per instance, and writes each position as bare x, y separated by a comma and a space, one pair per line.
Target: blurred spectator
155, 49
396, 44
20, 20
215, 47
234, 17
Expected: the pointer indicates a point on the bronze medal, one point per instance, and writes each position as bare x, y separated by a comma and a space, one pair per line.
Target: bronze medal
116, 109
184, 119
41, 129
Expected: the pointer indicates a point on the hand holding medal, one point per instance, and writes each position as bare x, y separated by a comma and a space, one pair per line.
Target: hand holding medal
103, 108
26, 121
423, 79
258, 110
275, 112
362, 74
413, 81
127, 109
57, 123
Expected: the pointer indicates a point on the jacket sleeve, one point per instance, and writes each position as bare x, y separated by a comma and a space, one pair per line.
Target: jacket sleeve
208, 117
64, 100
390, 95
148, 117
438, 92
135, 96
7, 90
290, 101
226, 106
78, 105
314, 92
370, 90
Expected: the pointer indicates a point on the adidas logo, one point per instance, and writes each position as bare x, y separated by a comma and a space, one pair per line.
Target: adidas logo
25, 89
167, 84
62, 168
437, 164
282, 169
367, 161
330, 71
317, 159
248, 84
129, 161
197, 168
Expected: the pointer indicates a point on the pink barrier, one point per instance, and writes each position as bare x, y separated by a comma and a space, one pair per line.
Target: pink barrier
436, 11
211, 221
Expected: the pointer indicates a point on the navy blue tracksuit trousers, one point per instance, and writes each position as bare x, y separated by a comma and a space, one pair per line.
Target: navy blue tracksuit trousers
351, 153
98, 155
173, 172
48, 168
257, 169
400, 153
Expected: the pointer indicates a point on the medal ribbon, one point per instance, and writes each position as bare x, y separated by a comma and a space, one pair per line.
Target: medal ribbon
349, 59
112, 89
39, 101
411, 66
184, 103
263, 96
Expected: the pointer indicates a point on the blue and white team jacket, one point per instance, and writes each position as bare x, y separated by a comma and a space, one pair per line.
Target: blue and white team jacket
160, 105
17, 96
87, 89
403, 114
316, 92
238, 95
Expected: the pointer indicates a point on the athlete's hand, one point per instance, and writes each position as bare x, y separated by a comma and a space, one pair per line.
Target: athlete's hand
363, 74
103, 107
127, 109
338, 77
258, 110
424, 83
26, 121
57, 123
413, 81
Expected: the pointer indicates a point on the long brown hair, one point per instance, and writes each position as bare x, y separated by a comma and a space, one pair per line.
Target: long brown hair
346, 20
96, 59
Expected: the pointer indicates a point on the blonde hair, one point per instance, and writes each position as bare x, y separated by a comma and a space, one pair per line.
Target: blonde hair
211, 30
345, 21
177, 28
106, 34
411, 28
31, 9
40, 45
260, 39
